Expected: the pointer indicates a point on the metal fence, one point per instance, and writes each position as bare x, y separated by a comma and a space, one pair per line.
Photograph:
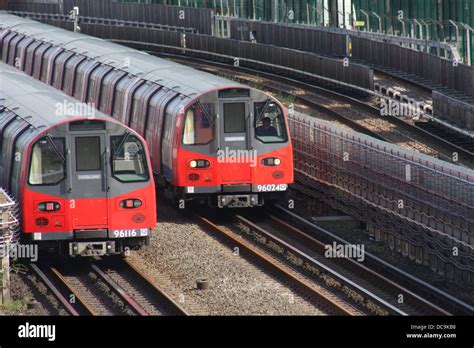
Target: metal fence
428, 68
9, 236
39, 7
423, 206
198, 18
52, 18
422, 66
324, 40
301, 38
454, 111
268, 57
374, 50
307, 66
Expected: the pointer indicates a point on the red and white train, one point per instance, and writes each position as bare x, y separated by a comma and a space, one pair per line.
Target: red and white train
83, 180
210, 139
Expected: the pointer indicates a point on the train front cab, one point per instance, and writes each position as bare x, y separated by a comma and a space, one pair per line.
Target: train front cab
89, 190
235, 149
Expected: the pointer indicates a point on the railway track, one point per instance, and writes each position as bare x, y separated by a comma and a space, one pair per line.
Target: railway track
298, 256
321, 297
351, 110
109, 287
363, 285
351, 282
383, 279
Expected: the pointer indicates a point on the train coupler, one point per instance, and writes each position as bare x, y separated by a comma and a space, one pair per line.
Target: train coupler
239, 201
92, 248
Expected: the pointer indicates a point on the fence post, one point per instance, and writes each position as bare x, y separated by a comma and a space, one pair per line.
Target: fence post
5, 263
7, 226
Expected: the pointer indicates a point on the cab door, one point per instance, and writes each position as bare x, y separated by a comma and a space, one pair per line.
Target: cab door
234, 134
89, 181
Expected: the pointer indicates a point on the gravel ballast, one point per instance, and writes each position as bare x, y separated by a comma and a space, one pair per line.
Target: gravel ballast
184, 252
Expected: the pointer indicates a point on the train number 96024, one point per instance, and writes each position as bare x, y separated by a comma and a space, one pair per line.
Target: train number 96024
271, 187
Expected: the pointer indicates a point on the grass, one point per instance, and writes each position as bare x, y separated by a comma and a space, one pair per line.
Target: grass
13, 306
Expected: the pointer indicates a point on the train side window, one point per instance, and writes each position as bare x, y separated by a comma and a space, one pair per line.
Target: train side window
19, 48
128, 159
95, 83
78, 81
47, 165
166, 125
90, 91
118, 94
1, 136
69, 74
103, 95
138, 102
38, 59
68, 78
136, 105
270, 126
199, 124
107, 89
57, 68
17, 165
44, 65
104, 90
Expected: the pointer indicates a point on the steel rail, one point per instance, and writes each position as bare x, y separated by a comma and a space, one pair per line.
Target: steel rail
333, 305
425, 287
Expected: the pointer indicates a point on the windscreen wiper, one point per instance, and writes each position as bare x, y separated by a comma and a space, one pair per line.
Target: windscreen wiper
122, 142
55, 148
206, 113
264, 109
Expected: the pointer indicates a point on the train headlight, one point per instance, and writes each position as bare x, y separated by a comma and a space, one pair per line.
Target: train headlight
199, 163
137, 203
131, 203
271, 161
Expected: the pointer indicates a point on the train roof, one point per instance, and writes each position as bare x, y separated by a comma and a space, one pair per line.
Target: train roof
36, 103
185, 80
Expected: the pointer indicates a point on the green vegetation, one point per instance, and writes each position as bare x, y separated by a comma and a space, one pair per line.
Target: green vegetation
14, 306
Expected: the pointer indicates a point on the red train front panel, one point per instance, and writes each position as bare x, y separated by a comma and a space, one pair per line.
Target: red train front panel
233, 148
88, 189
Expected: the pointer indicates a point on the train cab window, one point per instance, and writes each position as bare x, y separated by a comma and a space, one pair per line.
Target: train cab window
199, 124
270, 124
234, 117
88, 154
47, 164
128, 159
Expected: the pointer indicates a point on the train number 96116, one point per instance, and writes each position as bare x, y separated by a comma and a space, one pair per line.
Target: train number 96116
142, 232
